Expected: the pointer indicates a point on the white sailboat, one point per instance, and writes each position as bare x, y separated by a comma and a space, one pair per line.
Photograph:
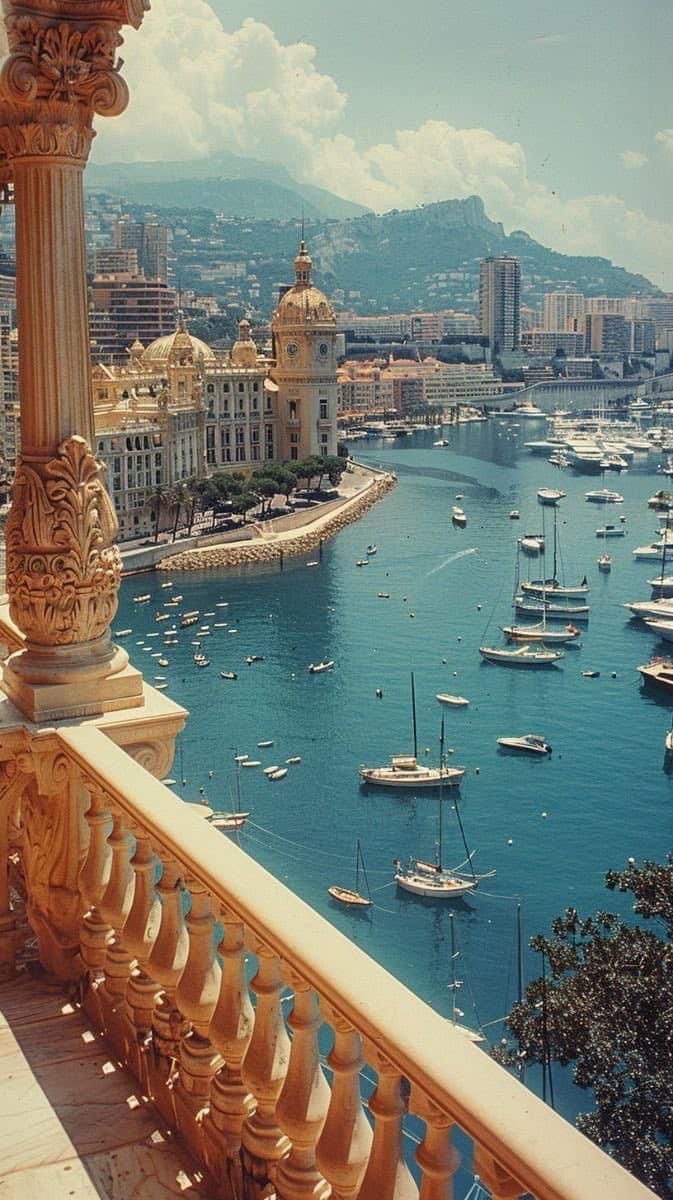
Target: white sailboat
230, 822
552, 586
405, 771
352, 896
472, 1035
538, 632
523, 656
432, 880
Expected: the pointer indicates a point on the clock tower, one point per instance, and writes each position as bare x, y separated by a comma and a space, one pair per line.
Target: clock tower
304, 338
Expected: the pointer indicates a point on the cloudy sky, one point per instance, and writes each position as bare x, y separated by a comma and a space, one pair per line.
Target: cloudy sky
559, 116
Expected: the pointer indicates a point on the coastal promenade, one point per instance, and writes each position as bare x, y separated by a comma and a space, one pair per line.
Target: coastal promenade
294, 534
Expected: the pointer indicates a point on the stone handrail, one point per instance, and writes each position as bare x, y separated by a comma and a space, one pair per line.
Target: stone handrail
255, 1107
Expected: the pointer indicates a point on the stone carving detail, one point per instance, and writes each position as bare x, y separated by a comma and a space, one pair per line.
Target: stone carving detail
63, 571
155, 756
64, 63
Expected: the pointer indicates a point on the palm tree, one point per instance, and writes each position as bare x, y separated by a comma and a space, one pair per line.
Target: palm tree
155, 503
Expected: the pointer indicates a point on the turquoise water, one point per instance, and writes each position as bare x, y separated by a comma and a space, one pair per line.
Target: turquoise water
604, 791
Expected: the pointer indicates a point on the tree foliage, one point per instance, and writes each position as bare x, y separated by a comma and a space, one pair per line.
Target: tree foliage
605, 1005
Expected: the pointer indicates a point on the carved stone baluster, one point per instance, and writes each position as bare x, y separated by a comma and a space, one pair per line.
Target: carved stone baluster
345, 1142
94, 876
387, 1176
304, 1101
436, 1155
230, 1032
166, 964
114, 907
499, 1182
196, 995
14, 775
52, 850
140, 932
264, 1070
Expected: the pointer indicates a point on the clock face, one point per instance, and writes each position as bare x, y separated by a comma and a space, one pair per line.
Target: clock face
292, 349
323, 349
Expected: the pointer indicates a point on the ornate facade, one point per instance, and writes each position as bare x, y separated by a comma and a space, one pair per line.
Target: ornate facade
304, 338
177, 411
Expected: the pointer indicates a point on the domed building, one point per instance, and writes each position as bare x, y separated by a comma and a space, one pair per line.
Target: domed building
304, 333
177, 348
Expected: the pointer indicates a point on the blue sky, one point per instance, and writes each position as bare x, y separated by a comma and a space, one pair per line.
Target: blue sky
560, 116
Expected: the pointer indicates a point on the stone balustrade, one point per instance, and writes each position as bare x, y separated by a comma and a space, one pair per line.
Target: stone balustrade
247, 1017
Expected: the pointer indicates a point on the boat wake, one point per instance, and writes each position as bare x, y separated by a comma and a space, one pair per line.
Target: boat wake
452, 558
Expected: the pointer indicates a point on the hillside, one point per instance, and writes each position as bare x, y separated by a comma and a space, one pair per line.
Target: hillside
423, 259
227, 183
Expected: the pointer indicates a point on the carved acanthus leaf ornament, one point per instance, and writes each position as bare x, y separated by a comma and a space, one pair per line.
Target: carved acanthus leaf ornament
63, 571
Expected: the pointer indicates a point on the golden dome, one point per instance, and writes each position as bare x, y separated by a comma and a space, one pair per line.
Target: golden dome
303, 303
173, 346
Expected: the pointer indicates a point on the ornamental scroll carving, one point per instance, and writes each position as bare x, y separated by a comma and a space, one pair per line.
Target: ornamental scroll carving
63, 572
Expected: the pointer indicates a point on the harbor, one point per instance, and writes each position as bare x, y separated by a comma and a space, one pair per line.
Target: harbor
548, 825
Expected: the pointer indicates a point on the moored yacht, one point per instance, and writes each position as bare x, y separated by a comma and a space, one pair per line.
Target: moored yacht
603, 496
404, 771
529, 743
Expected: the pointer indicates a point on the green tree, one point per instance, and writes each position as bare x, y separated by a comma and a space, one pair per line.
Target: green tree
243, 502
604, 1004
155, 504
334, 467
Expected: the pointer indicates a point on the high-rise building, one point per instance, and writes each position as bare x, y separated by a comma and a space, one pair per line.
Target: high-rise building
149, 239
660, 310
128, 308
500, 302
606, 333
563, 311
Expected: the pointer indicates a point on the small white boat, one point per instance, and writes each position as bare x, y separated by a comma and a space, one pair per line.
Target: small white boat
404, 771
668, 742
123, 632
603, 496
279, 774
514, 515
532, 543
362, 562
550, 495
524, 656
372, 550
229, 821
541, 632
607, 531
458, 515
142, 599
169, 583
160, 687
240, 758
251, 762
530, 743
442, 442
604, 562
318, 668
229, 674
313, 563
270, 770
163, 662
162, 617
263, 745
293, 760
454, 701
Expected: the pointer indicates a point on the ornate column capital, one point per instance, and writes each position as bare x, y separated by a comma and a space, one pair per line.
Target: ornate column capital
62, 68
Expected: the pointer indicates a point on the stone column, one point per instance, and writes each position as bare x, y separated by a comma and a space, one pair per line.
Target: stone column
63, 569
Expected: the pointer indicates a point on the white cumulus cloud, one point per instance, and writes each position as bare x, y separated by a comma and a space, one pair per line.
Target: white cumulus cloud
633, 159
197, 89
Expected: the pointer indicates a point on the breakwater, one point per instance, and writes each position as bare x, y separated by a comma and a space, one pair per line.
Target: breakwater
271, 546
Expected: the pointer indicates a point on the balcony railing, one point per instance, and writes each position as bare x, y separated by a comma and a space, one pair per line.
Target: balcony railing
164, 914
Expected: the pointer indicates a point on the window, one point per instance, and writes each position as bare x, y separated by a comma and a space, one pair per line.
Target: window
241, 387
294, 453
323, 409
210, 388
225, 387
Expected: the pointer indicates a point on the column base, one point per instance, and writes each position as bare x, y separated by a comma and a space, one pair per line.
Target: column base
61, 682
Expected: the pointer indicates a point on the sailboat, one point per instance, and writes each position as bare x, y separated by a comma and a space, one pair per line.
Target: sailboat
405, 771
352, 896
432, 880
471, 1034
231, 821
538, 632
551, 586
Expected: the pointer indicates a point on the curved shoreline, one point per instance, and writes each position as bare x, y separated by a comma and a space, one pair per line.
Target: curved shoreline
266, 549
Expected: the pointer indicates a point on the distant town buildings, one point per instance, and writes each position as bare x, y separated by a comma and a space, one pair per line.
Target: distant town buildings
411, 388
149, 240
563, 311
500, 302
424, 327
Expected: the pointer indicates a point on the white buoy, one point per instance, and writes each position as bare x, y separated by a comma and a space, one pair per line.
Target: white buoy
544, 814
510, 841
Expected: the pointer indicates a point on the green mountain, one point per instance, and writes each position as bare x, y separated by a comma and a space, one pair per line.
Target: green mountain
225, 183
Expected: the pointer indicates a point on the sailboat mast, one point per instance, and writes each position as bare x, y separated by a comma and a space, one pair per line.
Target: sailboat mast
453, 968
554, 566
462, 831
441, 807
413, 715
519, 954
